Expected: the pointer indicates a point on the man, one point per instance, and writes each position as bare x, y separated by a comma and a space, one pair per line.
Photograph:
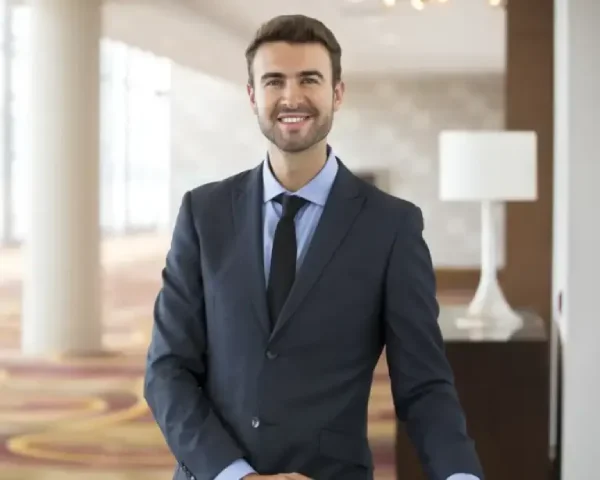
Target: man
281, 288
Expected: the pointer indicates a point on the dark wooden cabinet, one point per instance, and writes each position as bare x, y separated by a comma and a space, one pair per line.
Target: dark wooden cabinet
504, 388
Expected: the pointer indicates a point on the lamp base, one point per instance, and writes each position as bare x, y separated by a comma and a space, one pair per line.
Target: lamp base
490, 312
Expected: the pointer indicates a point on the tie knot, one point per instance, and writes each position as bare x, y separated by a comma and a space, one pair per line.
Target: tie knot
291, 204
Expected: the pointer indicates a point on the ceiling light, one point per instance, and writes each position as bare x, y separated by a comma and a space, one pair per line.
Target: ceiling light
420, 4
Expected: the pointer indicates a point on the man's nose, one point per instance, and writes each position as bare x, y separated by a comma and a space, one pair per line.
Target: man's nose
292, 95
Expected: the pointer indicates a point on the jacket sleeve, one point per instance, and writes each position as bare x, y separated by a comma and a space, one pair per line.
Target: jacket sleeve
422, 380
176, 368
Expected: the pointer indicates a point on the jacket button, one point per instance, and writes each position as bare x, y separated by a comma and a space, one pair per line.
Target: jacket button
271, 355
255, 422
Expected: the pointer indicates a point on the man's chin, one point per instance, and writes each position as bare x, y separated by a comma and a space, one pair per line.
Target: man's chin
295, 143
294, 147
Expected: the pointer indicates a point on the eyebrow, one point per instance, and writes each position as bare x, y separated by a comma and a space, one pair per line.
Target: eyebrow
303, 73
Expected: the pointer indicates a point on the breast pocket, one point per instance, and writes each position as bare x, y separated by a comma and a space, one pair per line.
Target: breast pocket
233, 307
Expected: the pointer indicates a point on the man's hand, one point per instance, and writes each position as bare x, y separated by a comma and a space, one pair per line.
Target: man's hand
280, 476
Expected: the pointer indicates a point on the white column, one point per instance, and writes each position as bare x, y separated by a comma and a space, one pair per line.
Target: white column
577, 229
62, 289
6, 185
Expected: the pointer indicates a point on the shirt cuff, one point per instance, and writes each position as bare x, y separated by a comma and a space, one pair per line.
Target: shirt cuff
237, 470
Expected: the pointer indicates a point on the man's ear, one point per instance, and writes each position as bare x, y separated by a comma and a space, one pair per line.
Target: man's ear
251, 96
338, 95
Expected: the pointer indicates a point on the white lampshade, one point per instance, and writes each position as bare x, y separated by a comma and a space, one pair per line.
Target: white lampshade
488, 165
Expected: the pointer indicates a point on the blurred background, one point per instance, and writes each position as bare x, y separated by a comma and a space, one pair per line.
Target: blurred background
110, 111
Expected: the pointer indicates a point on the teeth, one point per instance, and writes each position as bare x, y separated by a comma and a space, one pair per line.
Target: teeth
292, 119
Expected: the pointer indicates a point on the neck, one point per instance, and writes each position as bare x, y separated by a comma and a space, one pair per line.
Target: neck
294, 170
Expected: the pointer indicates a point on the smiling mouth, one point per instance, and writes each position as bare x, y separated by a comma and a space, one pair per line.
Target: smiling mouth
293, 120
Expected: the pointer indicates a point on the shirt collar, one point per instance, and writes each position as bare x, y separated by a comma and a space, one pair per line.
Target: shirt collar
316, 191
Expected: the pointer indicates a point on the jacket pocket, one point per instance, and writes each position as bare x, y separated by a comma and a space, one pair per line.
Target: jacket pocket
347, 448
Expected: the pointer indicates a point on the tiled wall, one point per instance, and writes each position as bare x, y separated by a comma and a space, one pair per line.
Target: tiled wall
391, 126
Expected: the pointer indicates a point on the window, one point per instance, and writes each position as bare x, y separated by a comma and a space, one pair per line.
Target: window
134, 136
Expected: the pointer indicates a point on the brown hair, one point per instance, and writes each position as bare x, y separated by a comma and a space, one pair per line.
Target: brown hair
296, 29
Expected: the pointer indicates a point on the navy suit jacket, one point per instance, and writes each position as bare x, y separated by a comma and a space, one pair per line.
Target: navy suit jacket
222, 385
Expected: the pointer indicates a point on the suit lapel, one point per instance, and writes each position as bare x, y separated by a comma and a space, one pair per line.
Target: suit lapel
343, 205
248, 220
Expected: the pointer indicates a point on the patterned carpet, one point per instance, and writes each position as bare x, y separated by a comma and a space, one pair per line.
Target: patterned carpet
85, 418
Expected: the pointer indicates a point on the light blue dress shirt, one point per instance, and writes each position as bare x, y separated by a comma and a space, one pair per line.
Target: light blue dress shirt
306, 220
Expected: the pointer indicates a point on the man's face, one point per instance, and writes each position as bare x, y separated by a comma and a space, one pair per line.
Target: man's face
293, 94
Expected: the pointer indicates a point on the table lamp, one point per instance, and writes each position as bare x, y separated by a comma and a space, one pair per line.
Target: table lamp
488, 167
